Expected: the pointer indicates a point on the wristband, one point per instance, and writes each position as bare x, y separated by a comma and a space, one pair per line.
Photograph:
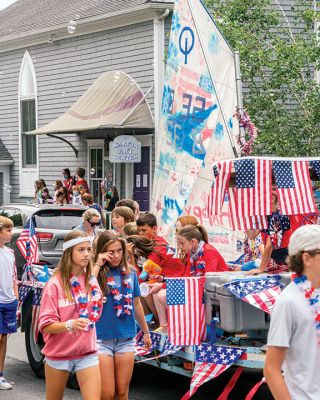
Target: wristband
68, 325
98, 265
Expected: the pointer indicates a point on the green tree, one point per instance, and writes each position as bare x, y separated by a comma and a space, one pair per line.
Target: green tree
279, 56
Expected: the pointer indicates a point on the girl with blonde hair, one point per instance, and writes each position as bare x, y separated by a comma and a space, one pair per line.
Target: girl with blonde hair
116, 329
71, 305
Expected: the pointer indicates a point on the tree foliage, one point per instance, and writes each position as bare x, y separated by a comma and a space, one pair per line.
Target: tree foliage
279, 53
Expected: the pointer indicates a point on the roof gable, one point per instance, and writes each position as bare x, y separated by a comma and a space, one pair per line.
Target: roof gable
26, 16
4, 153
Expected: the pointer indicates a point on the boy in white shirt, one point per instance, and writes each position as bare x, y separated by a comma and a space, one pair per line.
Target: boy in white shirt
8, 293
294, 335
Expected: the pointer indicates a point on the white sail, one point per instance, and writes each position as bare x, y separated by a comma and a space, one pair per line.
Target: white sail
197, 124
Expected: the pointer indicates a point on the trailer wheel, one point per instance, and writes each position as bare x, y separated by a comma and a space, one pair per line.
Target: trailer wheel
35, 357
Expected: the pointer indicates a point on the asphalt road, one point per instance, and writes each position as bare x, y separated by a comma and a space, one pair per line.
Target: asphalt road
148, 383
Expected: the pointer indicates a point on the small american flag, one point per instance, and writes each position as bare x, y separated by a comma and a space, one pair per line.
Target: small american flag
253, 187
259, 292
36, 300
28, 242
294, 187
221, 173
140, 349
186, 320
211, 361
240, 222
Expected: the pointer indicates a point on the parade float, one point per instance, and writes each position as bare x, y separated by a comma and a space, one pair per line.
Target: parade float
196, 171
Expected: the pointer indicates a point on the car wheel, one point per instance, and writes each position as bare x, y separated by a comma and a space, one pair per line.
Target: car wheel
35, 357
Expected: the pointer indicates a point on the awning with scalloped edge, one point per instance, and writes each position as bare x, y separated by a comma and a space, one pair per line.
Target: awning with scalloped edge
114, 100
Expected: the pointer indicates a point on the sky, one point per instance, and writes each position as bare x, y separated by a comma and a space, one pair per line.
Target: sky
6, 3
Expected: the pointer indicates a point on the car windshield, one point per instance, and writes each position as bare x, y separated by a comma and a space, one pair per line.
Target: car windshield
58, 219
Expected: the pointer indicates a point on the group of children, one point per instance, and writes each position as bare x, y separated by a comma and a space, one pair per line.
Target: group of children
91, 305
68, 190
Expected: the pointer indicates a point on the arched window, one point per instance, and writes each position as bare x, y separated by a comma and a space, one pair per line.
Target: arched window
28, 113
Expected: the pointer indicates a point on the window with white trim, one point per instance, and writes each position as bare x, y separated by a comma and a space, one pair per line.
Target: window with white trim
28, 148
27, 98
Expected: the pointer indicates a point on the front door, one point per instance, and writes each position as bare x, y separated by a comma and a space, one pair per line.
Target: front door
141, 180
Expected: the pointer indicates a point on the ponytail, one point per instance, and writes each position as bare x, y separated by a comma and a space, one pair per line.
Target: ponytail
194, 232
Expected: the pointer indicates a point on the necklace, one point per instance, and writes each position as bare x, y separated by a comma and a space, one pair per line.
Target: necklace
81, 299
122, 295
313, 297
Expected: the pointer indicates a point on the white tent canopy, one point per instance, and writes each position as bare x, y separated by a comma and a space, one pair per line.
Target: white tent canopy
114, 100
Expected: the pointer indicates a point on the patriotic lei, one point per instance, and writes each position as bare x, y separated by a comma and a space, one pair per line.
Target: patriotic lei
197, 266
82, 299
313, 297
122, 298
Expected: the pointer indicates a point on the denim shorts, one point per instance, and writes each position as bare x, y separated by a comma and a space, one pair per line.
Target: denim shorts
74, 365
8, 317
110, 347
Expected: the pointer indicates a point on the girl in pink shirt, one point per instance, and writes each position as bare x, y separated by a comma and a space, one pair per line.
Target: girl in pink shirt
70, 306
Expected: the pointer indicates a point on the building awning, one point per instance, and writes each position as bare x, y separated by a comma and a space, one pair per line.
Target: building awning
114, 100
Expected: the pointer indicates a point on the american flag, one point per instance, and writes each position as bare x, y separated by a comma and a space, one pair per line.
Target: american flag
28, 242
253, 187
36, 300
294, 187
221, 173
315, 165
140, 349
259, 292
186, 319
211, 361
240, 222
23, 294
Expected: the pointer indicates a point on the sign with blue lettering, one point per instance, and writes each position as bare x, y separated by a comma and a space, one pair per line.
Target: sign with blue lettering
125, 149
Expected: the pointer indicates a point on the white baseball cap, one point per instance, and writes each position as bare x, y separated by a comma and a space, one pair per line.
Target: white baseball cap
306, 238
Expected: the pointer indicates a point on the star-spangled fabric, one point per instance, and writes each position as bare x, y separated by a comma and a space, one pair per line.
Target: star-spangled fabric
252, 192
140, 349
185, 310
23, 294
315, 165
211, 361
294, 187
36, 300
169, 348
260, 293
28, 243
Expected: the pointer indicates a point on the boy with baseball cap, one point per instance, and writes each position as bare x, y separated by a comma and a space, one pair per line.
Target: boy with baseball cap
294, 334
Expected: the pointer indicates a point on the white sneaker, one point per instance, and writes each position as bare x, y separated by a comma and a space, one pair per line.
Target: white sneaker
4, 385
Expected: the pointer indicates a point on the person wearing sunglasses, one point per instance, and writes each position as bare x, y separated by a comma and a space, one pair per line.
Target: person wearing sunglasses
90, 222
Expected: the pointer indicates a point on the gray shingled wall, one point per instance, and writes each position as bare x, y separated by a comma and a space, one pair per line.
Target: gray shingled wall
64, 70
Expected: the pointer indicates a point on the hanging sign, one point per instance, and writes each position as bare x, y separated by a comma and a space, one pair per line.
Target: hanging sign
125, 149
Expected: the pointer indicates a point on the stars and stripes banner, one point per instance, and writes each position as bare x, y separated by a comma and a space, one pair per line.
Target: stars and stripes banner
259, 292
169, 348
186, 318
23, 294
28, 242
221, 173
240, 222
294, 187
211, 361
140, 349
252, 192
36, 300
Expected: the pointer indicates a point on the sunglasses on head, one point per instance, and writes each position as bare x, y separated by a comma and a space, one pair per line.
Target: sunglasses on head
92, 224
